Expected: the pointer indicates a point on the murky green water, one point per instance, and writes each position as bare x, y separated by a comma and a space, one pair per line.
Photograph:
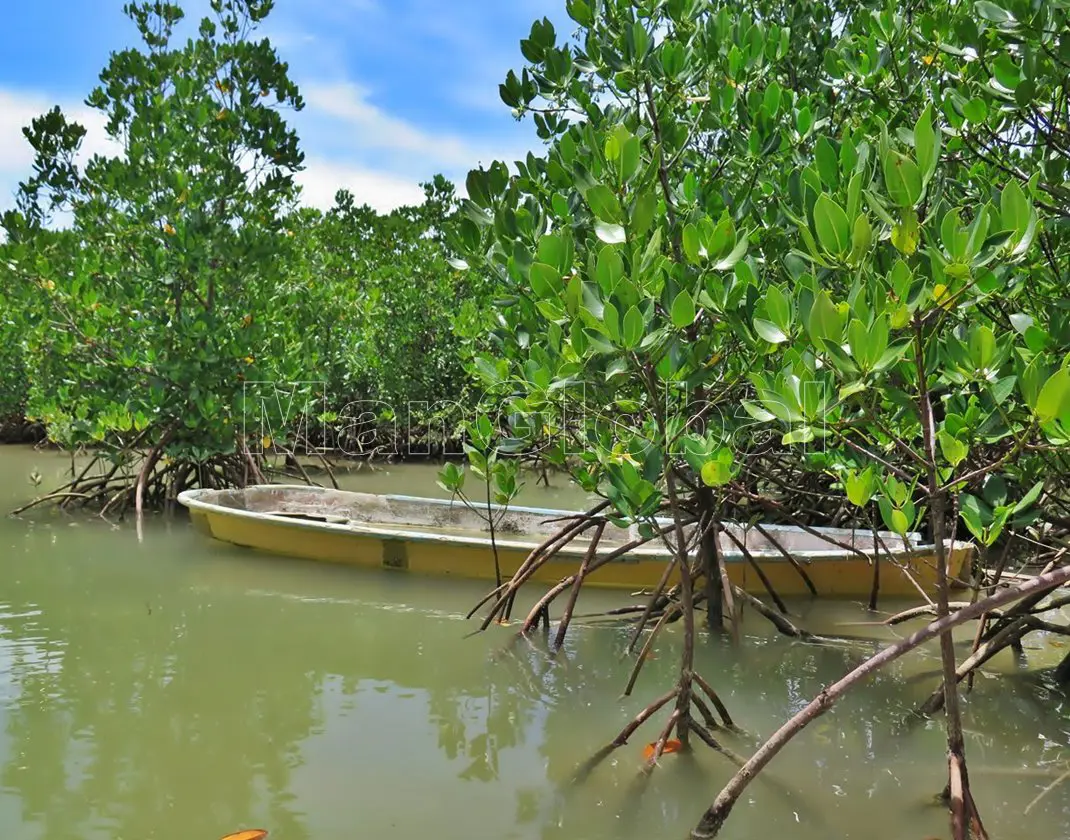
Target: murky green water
179, 689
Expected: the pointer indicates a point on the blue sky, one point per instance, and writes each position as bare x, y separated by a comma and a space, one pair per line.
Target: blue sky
396, 90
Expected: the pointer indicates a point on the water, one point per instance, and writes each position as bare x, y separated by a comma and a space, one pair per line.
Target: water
179, 689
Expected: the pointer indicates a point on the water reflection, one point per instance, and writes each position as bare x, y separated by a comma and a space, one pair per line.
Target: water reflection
179, 690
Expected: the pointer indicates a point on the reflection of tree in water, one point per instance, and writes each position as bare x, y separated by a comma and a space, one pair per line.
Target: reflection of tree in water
477, 726
184, 717
127, 723
762, 685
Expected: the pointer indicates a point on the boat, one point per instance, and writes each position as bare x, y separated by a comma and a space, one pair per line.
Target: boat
446, 537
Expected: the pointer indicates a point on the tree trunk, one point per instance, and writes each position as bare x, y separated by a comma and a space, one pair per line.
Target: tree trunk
687, 605
710, 548
962, 812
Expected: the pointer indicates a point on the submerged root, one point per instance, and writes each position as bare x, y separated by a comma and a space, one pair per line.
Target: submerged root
679, 717
714, 818
114, 482
585, 769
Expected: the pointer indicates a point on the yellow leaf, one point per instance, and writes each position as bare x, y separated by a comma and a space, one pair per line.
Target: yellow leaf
928, 59
906, 234
266, 441
169, 229
247, 834
942, 296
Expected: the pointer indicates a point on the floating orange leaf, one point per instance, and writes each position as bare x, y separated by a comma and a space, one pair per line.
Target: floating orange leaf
247, 834
670, 747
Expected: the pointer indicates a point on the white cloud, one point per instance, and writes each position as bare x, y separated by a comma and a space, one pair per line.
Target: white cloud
381, 191
376, 129
334, 110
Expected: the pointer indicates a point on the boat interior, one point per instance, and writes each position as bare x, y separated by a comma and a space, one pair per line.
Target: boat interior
520, 524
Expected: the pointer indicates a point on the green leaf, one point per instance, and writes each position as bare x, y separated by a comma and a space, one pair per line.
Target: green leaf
860, 487
894, 518
633, 328
603, 203
673, 58
1002, 389
976, 110
926, 144
683, 310
902, 179
832, 225
804, 434
611, 319
629, 158
852, 388
771, 100
579, 11
545, 280
1021, 322
955, 238
970, 511
609, 269
769, 331
992, 12
828, 162
857, 340
643, 213
906, 234
804, 120
641, 39
861, 237
1007, 73
953, 449
1030, 382
825, 322
1014, 209
778, 307
693, 244
1054, 397
552, 251
983, 347
733, 257
610, 233
757, 412
1030, 498
717, 472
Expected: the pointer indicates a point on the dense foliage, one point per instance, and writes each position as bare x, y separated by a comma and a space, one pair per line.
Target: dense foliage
793, 261
857, 239
189, 307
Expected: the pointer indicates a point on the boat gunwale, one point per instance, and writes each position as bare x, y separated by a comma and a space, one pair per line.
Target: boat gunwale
193, 500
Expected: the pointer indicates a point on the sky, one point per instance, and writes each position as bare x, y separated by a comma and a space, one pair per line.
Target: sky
396, 91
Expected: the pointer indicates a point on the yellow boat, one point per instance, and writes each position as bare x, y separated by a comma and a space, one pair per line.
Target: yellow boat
443, 537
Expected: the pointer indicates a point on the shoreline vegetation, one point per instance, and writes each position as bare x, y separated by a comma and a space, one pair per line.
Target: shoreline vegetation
801, 263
